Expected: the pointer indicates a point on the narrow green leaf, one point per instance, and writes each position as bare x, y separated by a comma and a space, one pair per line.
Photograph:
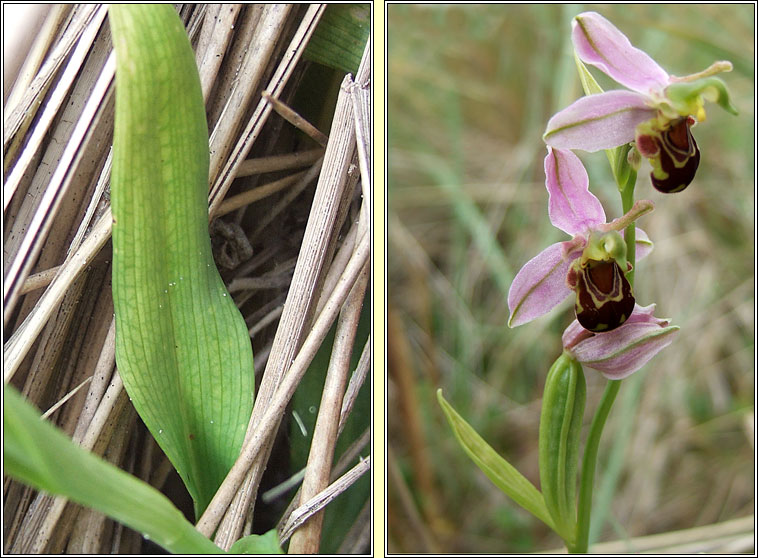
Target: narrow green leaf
497, 469
38, 454
182, 347
267, 543
341, 35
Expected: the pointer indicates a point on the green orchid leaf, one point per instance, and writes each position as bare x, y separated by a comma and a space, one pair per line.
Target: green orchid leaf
341, 35
38, 454
182, 346
497, 469
267, 543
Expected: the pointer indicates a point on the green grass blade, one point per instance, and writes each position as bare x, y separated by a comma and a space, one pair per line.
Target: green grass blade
37, 454
182, 347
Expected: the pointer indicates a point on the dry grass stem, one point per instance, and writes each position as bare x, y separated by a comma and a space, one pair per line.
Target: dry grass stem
353, 452
266, 320
274, 493
32, 52
84, 22
39, 280
22, 339
296, 120
213, 41
317, 503
278, 278
103, 378
271, 25
729, 537
347, 457
360, 93
39, 226
65, 398
357, 379
305, 179
306, 539
220, 182
275, 163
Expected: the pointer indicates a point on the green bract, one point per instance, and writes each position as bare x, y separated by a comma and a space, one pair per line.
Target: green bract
560, 428
182, 347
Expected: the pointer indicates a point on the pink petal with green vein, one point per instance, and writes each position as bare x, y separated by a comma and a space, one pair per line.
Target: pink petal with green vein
572, 208
598, 42
596, 122
540, 285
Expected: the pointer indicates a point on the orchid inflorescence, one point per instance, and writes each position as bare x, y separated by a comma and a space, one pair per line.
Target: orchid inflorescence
612, 333
652, 119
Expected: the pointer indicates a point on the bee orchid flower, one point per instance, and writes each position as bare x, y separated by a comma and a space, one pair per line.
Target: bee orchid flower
592, 264
657, 111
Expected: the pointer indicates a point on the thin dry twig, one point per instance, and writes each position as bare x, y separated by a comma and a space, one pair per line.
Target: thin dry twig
296, 120
317, 503
275, 163
256, 194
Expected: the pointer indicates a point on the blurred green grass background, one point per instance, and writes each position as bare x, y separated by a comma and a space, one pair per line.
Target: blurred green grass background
470, 90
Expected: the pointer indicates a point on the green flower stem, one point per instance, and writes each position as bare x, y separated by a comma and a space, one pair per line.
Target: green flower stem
589, 461
588, 467
627, 202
